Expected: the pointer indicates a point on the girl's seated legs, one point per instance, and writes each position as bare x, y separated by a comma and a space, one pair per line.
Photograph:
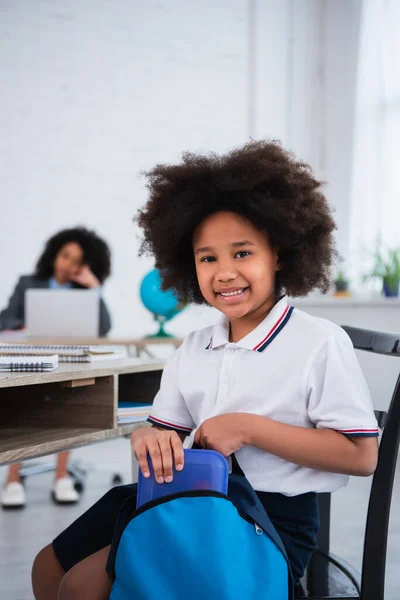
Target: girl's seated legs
81, 551
87, 580
47, 574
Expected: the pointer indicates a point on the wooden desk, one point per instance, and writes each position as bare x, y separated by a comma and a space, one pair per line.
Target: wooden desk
43, 413
135, 346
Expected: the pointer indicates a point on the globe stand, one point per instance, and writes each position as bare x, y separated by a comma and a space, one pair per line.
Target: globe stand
161, 333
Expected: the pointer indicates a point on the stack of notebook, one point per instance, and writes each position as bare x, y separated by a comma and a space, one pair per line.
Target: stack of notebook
18, 363
132, 412
66, 353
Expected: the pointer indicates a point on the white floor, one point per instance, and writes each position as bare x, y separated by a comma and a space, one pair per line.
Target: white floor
23, 533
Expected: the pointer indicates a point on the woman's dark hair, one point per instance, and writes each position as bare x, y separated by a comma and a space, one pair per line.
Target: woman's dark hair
96, 253
260, 181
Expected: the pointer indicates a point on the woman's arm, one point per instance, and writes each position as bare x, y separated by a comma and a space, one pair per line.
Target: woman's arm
88, 279
12, 317
321, 449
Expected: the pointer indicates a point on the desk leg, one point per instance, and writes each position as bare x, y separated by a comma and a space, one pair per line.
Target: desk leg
133, 351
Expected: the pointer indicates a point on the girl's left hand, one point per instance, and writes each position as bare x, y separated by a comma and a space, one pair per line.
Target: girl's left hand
86, 277
224, 433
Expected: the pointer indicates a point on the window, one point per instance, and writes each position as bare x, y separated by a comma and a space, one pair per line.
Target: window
375, 197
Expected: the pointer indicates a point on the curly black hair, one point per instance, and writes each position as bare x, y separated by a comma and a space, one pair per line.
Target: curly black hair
260, 181
96, 253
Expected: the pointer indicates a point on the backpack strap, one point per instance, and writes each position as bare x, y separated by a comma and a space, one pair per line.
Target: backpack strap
236, 468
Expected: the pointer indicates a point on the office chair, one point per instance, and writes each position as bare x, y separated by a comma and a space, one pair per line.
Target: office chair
75, 471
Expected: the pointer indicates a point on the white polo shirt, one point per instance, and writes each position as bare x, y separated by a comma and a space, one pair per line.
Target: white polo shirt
293, 368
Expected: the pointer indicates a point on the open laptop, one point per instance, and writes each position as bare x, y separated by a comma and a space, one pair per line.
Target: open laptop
62, 313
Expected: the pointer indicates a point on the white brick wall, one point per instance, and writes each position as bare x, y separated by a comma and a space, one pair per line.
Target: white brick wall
94, 91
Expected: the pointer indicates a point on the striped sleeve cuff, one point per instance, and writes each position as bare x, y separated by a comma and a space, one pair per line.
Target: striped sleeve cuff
169, 425
360, 432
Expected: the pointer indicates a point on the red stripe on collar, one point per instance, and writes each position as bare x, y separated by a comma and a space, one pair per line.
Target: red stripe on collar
273, 328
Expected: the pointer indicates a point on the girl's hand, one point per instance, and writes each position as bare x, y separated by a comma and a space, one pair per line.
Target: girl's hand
224, 433
86, 277
165, 449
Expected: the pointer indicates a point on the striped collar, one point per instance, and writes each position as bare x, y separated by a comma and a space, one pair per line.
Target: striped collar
261, 336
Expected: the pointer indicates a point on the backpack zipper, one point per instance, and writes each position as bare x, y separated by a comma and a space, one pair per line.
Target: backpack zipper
258, 529
194, 493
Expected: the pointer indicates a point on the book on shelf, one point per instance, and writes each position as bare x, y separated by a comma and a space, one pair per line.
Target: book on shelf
133, 412
18, 364
66, 353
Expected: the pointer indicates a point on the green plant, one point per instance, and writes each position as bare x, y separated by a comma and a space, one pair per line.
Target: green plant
386, 267
341, 284
340, 276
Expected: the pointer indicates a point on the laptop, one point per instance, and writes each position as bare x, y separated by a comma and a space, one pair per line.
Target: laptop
62, 313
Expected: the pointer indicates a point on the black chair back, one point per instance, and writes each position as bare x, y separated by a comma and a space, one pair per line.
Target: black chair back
376, 532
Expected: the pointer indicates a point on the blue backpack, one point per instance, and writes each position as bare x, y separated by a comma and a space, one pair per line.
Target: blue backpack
202, 544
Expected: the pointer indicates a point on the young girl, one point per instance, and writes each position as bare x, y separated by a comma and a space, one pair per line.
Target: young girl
72, 258
280, 388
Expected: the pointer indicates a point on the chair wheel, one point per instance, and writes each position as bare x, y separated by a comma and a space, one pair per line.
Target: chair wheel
117, 479
78, 485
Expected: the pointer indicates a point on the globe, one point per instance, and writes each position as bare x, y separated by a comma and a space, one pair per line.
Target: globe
163, 305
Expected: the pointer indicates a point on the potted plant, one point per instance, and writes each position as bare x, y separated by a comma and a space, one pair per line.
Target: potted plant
386, 267
341, 285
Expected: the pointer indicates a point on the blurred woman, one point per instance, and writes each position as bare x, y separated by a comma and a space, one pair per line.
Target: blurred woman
72, 259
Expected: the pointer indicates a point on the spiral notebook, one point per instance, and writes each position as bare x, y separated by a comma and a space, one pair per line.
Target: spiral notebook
66, 353
28, 363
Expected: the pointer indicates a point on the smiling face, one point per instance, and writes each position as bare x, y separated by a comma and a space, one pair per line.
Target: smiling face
68, 262
236, 269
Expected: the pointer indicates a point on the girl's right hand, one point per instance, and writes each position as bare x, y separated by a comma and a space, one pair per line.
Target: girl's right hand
165, 449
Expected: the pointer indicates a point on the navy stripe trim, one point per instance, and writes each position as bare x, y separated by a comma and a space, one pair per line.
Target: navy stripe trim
169, 427
278, 330
360, 434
